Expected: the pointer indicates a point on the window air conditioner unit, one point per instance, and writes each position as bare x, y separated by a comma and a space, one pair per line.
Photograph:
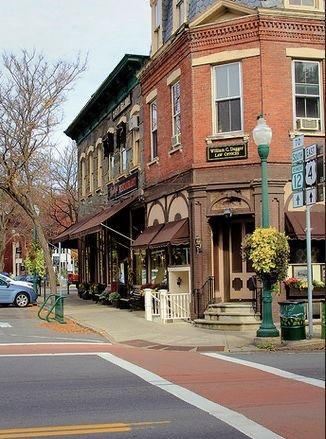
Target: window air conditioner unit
134, 123
305, 123
176, 140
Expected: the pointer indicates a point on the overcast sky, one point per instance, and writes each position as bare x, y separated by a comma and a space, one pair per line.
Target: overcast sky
105, 29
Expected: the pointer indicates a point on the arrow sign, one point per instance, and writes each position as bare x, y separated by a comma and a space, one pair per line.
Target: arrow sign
311, 174
310, 196
297, 199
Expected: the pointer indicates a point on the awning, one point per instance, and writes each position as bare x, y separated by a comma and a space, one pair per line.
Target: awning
145, 238
295, 225
92, 224
173, 233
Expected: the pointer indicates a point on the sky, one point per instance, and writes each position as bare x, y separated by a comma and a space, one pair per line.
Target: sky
105, 30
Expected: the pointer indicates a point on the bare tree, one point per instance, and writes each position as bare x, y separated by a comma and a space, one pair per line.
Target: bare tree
63, 188
32, 92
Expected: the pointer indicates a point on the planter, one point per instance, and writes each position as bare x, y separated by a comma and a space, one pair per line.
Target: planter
302, 293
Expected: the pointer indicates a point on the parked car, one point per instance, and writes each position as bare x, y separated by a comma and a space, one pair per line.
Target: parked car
25, 277
19, 295
73, 278
16, 282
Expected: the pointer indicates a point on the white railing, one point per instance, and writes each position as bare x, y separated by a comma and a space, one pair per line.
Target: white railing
167, 306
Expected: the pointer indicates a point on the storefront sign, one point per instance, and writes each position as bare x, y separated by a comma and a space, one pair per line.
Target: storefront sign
124, 186
123, 105
227, 152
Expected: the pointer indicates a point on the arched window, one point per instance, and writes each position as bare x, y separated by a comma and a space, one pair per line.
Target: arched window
99, 156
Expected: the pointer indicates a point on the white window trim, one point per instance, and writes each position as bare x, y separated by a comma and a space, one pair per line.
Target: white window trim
176, 24
225, 134
319, 6
321, 103
172, 108
99, 151
151, 129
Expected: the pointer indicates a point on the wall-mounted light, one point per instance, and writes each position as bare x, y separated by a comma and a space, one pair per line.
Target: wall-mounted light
227, 212
198, 244
179, 281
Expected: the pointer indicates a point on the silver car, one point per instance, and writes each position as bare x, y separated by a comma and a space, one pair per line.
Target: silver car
18, 295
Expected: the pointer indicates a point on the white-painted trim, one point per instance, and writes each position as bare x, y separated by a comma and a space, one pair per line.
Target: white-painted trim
135, 109
90, 149
151, 96
98, 142
173, 77
122, 119
226, 55
82, 156
305, 52
236, 420
269, 369
110, 130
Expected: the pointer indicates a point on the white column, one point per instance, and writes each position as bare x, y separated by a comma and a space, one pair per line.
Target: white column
163, 303
148, 304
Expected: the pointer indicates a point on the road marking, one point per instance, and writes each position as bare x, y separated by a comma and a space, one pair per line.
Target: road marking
5, 325
236, 420
269, 369
68, 430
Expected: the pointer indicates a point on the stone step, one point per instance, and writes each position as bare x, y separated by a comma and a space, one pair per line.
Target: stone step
231, 308
226, 326
227, 317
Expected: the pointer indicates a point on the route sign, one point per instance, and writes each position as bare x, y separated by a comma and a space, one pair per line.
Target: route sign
297, 168
297, 181
311, 172
311, 194
298, 142
297, 199
297, 156
310, 152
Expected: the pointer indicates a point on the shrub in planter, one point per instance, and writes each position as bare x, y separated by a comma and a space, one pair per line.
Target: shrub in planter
114, 298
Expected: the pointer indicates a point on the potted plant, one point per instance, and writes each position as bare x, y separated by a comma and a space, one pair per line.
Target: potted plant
298, 287
82, 289
268, 250
114, 298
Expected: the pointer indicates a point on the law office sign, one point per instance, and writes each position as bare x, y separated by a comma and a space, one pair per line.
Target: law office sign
227, 152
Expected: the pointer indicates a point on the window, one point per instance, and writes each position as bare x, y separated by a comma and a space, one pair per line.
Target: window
305, 4
91, 172
99, 165
83, 177
228, 98
157, 24
307, 95
153, 114
176, 113
180, 12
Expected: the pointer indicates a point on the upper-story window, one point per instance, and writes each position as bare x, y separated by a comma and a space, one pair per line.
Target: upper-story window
153, 122
83, 176
307, 95
228, 98
305, 4
156, 24
99, 155
91, 172
176, 114
180, 12
133, 153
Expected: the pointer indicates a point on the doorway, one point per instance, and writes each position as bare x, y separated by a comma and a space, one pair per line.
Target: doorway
231, 272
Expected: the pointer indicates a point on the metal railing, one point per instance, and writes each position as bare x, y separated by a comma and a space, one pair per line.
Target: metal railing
203, 296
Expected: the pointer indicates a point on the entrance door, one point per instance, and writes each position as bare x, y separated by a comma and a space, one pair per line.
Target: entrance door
237, 271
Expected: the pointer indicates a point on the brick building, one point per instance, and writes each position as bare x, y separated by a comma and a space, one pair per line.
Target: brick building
216, 65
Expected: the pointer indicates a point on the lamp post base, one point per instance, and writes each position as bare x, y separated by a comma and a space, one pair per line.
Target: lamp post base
268, 332
267, 327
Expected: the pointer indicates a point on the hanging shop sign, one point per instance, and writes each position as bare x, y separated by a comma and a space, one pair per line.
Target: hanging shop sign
227, 152
124, 186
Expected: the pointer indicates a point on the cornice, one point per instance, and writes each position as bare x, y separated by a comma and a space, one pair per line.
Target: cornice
252, 28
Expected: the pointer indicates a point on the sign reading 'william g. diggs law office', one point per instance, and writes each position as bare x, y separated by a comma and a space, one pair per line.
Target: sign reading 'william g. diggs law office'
227, 152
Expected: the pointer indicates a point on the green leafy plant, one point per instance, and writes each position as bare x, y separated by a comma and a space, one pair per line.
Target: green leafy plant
268, 250
114, 296
35, 262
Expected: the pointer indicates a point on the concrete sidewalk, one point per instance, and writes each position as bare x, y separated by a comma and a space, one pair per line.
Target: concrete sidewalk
131, 328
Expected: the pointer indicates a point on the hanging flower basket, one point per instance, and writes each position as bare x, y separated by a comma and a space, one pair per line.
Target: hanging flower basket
268, 251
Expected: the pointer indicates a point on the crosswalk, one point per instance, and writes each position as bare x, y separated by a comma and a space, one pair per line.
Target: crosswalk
5, 325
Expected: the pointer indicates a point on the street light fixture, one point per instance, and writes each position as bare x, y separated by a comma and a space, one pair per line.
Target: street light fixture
262, 135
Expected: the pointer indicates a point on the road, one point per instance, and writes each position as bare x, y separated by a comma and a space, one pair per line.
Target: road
81, 386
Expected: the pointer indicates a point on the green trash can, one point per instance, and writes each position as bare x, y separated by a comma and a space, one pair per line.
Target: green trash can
292, 320
322, 318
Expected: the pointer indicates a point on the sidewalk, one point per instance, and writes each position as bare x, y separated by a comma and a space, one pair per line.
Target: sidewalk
131, 328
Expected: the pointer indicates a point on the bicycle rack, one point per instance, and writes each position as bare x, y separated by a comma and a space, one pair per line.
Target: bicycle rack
57, 306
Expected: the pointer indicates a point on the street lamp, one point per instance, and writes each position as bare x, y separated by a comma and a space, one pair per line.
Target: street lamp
262, 135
